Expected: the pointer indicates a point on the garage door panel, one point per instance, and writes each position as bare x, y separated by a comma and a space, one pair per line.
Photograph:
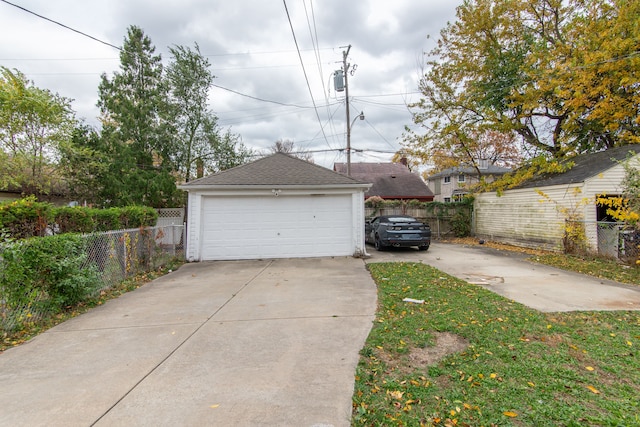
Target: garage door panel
276, 227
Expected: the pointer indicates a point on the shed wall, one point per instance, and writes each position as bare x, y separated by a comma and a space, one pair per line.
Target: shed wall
526, 218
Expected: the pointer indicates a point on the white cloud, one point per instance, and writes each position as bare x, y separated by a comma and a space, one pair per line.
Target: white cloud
251, 48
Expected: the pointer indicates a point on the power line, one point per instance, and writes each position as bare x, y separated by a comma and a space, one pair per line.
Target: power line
62, 25
313, 33
304, 71
266, 52
260, 99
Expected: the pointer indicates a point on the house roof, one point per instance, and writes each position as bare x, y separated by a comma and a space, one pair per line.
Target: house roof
371, 168
277, 169
467, 170
405, 186
390, 180
585, 166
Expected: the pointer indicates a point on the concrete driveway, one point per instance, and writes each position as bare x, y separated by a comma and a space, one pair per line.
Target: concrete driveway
512, 276
245, 343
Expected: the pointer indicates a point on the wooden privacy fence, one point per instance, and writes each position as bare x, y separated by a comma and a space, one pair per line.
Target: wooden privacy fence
441, 218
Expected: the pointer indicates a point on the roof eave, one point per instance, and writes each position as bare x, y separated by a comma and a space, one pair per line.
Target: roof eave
230, 187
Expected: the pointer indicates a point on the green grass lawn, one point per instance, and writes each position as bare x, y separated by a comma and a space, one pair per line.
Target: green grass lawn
517, 367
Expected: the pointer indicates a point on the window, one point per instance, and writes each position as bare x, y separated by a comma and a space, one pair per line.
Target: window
436, 186
461, 178
447, 179
447, 199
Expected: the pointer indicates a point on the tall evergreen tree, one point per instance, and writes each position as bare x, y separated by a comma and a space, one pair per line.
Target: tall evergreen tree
133, 104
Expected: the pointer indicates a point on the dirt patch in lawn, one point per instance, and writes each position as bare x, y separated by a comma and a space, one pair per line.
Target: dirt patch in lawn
418, 358
446, 344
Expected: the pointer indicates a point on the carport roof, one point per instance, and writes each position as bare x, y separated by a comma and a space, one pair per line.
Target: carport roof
277, 169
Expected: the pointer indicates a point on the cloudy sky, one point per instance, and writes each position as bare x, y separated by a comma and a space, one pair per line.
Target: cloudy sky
262, 92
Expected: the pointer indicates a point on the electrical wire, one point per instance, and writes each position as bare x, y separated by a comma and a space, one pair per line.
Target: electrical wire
304, 71
313, 32
260, 99
62, 25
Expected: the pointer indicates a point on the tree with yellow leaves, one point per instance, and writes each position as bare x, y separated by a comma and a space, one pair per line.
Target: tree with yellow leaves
564, 76
626, 208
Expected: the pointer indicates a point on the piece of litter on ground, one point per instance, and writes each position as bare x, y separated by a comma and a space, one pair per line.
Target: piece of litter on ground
415, 301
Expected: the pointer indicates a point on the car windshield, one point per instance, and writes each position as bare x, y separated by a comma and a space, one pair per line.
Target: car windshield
401, 219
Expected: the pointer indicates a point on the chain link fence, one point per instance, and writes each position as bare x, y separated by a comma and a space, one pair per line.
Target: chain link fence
118, 255
607, 239
111, 257
629, 249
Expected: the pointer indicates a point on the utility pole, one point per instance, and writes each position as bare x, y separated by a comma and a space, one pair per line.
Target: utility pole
345, 67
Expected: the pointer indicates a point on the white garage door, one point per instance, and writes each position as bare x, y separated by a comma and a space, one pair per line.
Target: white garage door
276, 227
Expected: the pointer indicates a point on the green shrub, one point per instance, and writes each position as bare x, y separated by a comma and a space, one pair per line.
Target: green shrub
46, 273
461, 223
138, 216
107, 219
374, 202
74, 219
25, 218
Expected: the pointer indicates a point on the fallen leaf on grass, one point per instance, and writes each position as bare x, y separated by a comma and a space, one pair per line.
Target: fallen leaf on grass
589, 368
396, 394
592, 389
510, 414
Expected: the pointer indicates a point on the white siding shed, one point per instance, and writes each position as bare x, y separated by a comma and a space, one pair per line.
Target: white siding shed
533, 215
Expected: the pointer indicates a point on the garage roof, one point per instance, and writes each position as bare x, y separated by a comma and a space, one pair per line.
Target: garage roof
277, 169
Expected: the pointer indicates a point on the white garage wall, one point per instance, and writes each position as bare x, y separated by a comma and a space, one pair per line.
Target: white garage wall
256, 224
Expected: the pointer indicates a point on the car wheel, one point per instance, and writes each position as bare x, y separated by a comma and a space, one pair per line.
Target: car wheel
423, 248
378, 245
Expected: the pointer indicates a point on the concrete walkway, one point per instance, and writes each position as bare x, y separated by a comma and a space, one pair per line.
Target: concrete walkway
246, 343
509, 274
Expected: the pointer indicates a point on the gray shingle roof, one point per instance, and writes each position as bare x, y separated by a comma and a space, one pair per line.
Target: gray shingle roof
467, 170
400, 186
390, 180
371, 168
277, 169
585, 166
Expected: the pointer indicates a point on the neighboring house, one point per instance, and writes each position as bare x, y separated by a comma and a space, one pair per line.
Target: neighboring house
534, 214
453, 183
9, 195
391, 181
276, 207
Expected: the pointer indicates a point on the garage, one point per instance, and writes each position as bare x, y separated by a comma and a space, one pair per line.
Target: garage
275, 207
